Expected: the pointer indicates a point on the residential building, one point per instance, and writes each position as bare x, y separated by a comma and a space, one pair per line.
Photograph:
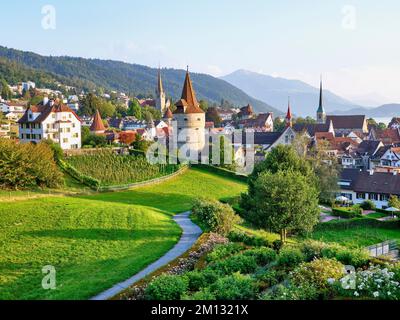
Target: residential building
54, 121
359, 186
263, 122
246, 112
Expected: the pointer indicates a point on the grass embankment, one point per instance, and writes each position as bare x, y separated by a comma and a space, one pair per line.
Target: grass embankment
358, 232
95, 241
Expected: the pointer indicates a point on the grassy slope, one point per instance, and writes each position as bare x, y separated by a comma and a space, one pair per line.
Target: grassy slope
95, 241
357, 236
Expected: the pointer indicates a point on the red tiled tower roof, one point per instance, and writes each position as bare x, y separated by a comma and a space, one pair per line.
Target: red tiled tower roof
97, 125
168, 114
289, 116
188, 102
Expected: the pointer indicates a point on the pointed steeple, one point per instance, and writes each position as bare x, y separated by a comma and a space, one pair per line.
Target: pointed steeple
289, 117
160, 88
320, 106
188, 102
321, 114
97, 125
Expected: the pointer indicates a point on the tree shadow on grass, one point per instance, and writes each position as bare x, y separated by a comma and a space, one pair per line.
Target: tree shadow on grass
150, 234
166, 202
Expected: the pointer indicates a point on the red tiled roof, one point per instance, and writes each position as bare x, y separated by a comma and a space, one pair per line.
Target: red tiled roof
188, 102
45, 111
168, 114
97, 125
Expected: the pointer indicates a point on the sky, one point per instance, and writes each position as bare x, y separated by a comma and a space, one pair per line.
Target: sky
353, 43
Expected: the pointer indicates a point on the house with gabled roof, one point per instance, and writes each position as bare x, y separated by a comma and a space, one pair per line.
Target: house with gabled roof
51, 120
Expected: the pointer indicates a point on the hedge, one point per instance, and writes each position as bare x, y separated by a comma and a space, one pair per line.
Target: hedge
345, 213
84, 179
357, 223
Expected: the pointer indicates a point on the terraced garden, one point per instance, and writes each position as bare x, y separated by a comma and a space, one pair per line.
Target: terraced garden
95, 241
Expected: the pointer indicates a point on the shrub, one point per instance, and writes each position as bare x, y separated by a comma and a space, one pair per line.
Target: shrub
292, 292
27, 165
223, 251
277, 245
167, 287
263, 256
254, 241
317, 273
347, 214
267, 277
374, 283
312, 249
217, 217
355, 257
368, 205
201, 279
234, 287
237, 263
290, 257
202, 295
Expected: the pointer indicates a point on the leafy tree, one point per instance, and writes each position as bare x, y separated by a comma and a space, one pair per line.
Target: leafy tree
394, 202
203, 105
279, 124
141, 144
135, 109
127, 137
306, 120
284, 202
90, 103
212, 114
94, 141
6, 92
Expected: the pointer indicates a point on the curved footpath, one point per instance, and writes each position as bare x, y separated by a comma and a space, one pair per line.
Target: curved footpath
191, 232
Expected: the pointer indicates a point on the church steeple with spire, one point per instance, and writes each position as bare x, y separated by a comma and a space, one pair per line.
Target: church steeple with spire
321, 114
289, 118
160, 94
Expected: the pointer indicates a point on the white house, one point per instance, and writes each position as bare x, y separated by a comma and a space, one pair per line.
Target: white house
53, 121
359, 186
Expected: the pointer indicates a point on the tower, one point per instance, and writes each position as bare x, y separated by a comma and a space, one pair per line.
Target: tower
190, 118
289, 118
160, 94
321, 114
97, 126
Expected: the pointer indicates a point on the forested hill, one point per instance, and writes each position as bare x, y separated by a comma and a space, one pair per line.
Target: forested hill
131, 78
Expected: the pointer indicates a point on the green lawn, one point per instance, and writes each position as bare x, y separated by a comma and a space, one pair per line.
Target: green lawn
98, 240
357, 236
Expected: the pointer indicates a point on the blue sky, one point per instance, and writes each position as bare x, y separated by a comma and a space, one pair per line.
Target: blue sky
354, 44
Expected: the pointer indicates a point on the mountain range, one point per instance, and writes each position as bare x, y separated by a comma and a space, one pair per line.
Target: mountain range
384, 111
275, 91
115, 75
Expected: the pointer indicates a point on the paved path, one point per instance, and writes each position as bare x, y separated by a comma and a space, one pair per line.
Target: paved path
191, 233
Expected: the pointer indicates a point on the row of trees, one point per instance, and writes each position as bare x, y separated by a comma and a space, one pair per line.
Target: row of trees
28, 165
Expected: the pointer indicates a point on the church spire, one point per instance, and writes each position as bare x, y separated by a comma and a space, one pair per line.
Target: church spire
160, 88
321, 114
288, 118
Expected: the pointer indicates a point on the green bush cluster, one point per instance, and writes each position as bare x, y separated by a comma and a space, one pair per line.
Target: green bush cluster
234, 287
167, 287
255, 241
368, 205
27, 165
263, 256
242, 263
356, 257
215, 216
355, 212
289, 257
224, 250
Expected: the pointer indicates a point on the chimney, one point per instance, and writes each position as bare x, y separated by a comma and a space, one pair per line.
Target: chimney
45, 100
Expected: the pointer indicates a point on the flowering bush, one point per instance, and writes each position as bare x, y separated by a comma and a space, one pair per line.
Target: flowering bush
291, 292
374, 283
317, 273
